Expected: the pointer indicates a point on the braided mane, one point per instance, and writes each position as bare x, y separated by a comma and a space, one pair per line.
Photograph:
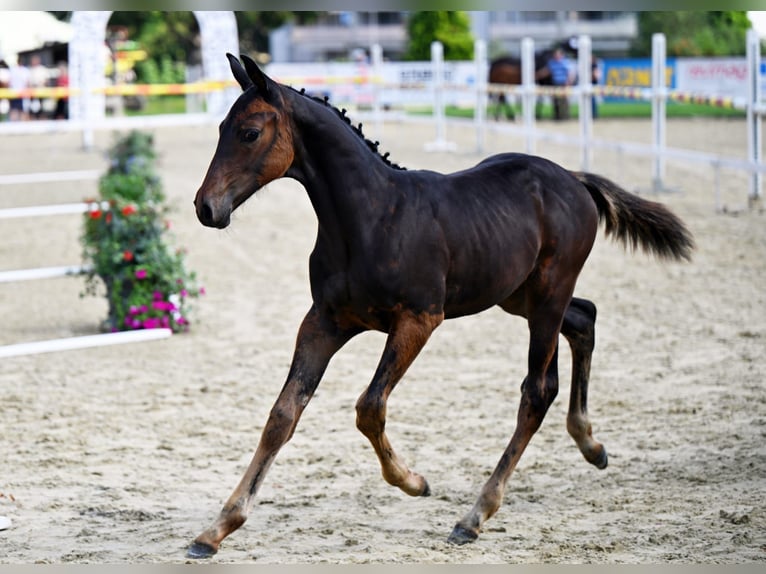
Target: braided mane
373, 145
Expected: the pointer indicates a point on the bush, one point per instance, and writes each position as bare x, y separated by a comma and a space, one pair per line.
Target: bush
126, 244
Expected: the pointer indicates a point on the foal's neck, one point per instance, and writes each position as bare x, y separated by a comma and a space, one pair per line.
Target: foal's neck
341, 173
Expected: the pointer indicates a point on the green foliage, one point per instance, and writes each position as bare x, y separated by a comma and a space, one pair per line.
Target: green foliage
175, 35
147, 71
163, 34
161, 70
171, 39
452, 29
690, 34
124, 239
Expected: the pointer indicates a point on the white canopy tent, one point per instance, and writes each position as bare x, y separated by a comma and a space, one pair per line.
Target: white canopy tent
28, 30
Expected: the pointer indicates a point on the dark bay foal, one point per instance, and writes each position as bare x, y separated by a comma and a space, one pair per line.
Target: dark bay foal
400, 251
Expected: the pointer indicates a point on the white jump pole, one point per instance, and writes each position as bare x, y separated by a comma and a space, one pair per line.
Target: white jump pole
753, 112
659, 95
55, 209
42, 273
47, 177
584, 72
84, 342
528, 91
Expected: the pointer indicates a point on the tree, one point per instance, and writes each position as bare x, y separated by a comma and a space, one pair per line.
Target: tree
174, 36
691, 34
171, 37
171, 34
452, 29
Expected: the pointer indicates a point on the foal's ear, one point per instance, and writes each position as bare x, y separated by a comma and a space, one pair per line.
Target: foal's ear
256, 75
239, 72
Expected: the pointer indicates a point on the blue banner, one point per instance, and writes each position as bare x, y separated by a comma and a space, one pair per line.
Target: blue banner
634, 73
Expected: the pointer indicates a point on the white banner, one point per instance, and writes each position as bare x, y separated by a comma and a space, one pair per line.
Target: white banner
719, 76
399, 83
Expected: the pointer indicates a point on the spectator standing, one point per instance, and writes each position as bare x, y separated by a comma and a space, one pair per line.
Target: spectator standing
62, 81
38, 78
19, 80
5, 80
561, 76
595, 79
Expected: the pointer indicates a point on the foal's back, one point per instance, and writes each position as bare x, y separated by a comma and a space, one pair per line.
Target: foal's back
491, 225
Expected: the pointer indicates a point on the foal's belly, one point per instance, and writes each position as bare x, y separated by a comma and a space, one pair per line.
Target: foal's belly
479, 294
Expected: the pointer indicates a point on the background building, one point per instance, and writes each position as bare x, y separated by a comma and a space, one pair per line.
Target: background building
341, 35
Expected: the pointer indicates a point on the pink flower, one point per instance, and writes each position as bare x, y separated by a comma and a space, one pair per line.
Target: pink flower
140, 273
151, 323
163, 306
201, 290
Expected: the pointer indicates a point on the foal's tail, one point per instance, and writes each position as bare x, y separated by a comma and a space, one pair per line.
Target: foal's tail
638, 222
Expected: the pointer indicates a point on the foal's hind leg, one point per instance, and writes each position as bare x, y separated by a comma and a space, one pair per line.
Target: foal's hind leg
538, 391
579, 329
406, 338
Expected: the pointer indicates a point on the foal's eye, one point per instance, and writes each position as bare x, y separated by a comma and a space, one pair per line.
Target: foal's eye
249, 136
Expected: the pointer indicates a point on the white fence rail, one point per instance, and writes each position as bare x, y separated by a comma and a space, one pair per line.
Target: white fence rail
16, 275
478, 92
433, 86
658, 95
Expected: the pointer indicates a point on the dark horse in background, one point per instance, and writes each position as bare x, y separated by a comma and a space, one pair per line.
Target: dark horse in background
400, 251
507, 70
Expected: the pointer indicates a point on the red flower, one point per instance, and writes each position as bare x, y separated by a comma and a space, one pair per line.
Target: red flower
127, 256
95, 214
129, 210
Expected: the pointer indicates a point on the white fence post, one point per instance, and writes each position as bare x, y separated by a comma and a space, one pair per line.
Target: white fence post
437, 81
586, 93
377, 75
659, 95
528, 91
754, 111
480, 116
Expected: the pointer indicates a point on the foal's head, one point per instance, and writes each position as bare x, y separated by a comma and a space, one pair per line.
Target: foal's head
254, 146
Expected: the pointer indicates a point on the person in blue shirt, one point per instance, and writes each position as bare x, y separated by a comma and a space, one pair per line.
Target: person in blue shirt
561, 75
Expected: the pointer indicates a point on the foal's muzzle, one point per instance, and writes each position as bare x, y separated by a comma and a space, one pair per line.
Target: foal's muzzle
212, 213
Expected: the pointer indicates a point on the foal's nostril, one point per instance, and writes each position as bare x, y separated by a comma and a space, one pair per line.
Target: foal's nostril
206, 213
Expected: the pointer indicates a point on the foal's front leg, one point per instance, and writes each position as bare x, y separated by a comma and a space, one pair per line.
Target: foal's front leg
318, 340
408, 333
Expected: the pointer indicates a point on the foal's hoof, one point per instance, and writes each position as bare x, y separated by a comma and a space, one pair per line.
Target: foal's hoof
200, 550
601, 460
461, 535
